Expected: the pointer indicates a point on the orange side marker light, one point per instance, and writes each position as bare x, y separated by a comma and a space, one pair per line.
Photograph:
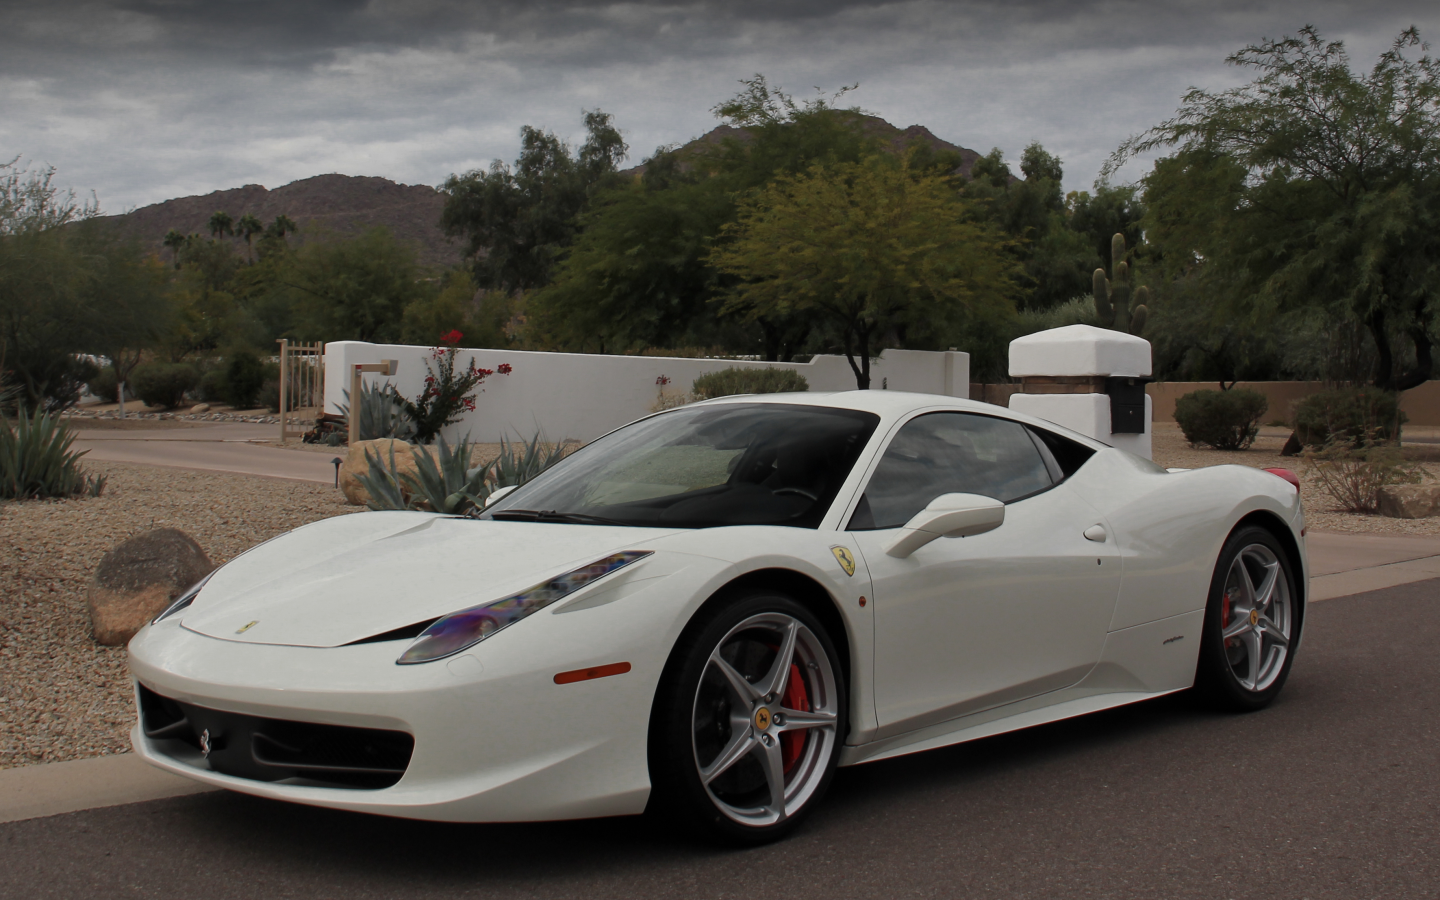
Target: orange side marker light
605, 671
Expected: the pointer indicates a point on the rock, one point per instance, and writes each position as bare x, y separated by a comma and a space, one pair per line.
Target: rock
139, 578
1292, 446
1410, 501
356, 465
200, 407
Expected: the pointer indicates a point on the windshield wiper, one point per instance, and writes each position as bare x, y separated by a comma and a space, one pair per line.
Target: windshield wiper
550, 515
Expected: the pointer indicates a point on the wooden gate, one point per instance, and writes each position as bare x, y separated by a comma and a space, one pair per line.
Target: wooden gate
302, 385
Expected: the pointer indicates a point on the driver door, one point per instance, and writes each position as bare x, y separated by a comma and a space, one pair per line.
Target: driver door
966, 624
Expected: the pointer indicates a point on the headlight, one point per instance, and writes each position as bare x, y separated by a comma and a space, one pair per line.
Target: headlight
186, 598
458, 631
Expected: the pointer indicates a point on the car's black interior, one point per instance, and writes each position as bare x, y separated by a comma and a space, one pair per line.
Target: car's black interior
792, 462
964, 453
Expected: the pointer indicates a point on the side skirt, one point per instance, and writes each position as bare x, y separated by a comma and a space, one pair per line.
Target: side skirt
1138, 663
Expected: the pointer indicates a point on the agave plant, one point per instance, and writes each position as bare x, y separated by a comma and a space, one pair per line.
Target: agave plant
382, 483
382, 413
521, 461
36, 460
450, 485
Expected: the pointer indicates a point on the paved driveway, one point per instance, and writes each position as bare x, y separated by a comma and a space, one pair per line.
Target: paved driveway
223, 447
1334, 792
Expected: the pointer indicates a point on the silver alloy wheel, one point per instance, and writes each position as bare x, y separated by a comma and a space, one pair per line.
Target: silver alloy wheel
759, 755
1256, 617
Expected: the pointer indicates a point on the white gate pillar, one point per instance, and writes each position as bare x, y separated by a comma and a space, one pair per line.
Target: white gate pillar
1090, 380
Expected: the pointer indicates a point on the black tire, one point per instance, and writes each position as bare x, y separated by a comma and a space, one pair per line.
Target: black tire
699, 712
1224, 677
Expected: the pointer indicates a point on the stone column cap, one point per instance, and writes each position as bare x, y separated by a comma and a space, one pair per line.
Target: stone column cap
1079, 350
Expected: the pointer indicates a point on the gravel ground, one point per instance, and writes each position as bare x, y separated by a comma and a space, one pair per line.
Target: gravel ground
61, 696
1172, 451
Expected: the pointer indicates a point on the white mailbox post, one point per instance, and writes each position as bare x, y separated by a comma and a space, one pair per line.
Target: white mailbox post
1091, 380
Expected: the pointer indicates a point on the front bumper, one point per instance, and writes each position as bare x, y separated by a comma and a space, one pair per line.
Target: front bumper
495, 739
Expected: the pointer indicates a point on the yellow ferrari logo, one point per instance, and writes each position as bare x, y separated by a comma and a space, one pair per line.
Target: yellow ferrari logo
843, 557
1254, 616
247, 626
762, 718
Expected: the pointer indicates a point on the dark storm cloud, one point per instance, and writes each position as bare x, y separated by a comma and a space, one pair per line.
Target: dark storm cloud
149, 99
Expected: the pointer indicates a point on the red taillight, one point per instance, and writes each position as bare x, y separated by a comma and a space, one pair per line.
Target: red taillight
1288, 476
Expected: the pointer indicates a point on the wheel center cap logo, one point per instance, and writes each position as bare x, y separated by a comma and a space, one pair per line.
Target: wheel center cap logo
1254, 616
762, 718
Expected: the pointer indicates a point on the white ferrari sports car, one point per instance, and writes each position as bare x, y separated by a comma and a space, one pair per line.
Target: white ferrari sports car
706, 611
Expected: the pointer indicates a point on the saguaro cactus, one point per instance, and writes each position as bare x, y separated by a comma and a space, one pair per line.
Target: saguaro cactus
1113, 296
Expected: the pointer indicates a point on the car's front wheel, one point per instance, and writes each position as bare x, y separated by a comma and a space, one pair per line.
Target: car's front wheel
749, 720
1252, 623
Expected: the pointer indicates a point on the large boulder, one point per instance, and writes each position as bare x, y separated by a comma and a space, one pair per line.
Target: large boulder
355, 465
1410, 501
139, 578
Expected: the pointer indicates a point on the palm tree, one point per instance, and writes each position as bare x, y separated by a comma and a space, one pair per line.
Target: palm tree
248, 227
175, 241
282, 226
221, 224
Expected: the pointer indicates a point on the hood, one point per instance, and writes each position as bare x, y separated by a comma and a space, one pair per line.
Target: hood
347, 578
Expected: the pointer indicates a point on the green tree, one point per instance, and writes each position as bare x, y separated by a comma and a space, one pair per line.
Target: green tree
131, 307
867, 248
174, 242
354, 288
517, 221
1338, 201
221, 225
247, 228
46, 312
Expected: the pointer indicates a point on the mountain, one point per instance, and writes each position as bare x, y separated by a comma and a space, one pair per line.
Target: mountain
348, 204
891, 137
339, 204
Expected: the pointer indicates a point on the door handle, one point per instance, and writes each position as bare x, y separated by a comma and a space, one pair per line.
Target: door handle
1095, 533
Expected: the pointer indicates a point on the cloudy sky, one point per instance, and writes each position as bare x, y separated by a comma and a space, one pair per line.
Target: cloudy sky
144, 100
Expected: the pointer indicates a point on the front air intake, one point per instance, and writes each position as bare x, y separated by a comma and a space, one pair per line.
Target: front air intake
264, 749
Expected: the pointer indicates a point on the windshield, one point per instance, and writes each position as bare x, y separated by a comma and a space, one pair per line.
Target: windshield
730, 464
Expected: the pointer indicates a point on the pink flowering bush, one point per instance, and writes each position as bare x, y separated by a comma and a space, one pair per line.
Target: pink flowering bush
448, 394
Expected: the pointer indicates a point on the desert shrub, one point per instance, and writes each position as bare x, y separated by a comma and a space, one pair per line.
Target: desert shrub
105, 385
521, 461
1357, 415
270, 396
164, 384
727, 382
244, 377
382, 413
448, 484
1225, 420
1353, 476
36, 460
213, 386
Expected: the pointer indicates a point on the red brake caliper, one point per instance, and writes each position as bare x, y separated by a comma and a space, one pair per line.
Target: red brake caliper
792, 743
1225, 613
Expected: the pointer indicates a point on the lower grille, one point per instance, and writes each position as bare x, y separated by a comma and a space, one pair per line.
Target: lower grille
276, 749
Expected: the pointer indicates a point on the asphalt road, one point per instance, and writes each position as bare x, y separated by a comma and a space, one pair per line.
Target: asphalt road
1332, 792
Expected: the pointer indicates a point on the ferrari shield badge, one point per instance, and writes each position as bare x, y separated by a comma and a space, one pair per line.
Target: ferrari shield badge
843, 557
247, 626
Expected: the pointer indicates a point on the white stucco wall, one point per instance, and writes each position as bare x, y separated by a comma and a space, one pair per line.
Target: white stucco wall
582, 396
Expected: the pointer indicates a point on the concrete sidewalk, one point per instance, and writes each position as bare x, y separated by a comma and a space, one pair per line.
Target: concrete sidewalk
1341, 564
223, 447
1344, 564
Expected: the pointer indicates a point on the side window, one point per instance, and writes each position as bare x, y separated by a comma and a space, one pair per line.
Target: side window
1065, 453
948, 453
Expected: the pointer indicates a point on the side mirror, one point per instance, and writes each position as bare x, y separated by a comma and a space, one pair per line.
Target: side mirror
948, 515
499, 492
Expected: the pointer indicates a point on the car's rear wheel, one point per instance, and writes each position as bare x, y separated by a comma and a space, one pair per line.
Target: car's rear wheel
749, 721
1252, 623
